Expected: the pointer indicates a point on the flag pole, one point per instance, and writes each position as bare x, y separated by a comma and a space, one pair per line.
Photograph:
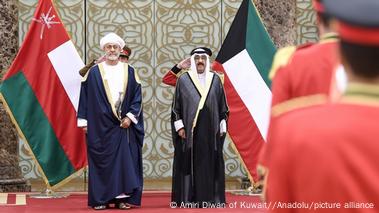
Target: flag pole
48, 193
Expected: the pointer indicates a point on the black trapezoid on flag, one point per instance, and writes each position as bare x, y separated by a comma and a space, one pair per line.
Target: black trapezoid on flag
235, 40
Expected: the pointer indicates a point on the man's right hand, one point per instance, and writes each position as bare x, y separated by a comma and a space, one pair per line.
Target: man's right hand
182, 133
185, 64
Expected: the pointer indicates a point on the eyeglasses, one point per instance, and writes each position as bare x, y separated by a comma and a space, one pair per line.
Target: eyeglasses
110, 46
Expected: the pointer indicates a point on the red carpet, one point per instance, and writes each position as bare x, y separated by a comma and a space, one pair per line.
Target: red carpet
151, 202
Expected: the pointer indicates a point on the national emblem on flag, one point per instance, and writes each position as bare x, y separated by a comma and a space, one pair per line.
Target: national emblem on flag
41, 93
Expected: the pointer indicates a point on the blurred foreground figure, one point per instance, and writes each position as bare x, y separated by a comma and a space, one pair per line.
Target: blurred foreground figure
326, 155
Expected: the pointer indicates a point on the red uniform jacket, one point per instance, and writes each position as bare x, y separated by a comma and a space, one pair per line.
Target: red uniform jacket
326, 156
309, 71
171, 76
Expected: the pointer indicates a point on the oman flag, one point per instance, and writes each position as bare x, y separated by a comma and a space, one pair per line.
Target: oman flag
245, 59
41, 93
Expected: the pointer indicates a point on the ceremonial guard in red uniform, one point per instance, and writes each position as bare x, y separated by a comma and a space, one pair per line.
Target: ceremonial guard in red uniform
305, 75
325, 156
172, 75
307, 69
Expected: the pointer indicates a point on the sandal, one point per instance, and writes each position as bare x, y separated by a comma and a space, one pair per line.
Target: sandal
99, 207
123, 206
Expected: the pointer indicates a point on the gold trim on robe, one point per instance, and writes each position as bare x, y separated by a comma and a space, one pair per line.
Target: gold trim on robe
203, 92
107, 89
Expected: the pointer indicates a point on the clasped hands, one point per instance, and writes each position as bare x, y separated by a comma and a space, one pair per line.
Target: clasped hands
125, 122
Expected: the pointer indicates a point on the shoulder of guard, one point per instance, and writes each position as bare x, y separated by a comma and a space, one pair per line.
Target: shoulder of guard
83, 71
284, 56
304, 46
87, 71
281, 58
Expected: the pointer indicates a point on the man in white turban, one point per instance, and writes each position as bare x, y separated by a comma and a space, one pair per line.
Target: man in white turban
110, 110
111, 38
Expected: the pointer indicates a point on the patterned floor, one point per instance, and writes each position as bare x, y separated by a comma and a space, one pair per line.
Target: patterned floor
10, 199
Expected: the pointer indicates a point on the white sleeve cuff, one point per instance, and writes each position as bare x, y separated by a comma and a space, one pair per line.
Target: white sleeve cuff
132, 117
82, 122
178, 124
223, 126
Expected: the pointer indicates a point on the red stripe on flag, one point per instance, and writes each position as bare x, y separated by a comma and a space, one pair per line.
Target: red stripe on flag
60, 112
45, 82
241, 126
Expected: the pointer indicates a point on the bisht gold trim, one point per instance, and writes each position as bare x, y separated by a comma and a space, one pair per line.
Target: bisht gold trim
203, 92
221, 76
136, 76
126, 77
107, 89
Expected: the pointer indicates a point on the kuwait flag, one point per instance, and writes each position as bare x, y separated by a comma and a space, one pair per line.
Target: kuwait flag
245, 59
41, 93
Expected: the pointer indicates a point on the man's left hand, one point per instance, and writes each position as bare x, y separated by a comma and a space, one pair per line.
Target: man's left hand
125, 122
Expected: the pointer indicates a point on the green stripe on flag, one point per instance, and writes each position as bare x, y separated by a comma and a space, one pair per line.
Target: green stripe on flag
36, 128
258, 44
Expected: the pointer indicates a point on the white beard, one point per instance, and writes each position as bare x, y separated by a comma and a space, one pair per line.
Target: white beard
112, 57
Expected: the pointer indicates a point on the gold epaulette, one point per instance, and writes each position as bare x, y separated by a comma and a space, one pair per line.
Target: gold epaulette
284, 55
281, 58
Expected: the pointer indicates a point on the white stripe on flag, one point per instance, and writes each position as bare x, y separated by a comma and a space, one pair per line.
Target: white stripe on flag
67, 63
251, 88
